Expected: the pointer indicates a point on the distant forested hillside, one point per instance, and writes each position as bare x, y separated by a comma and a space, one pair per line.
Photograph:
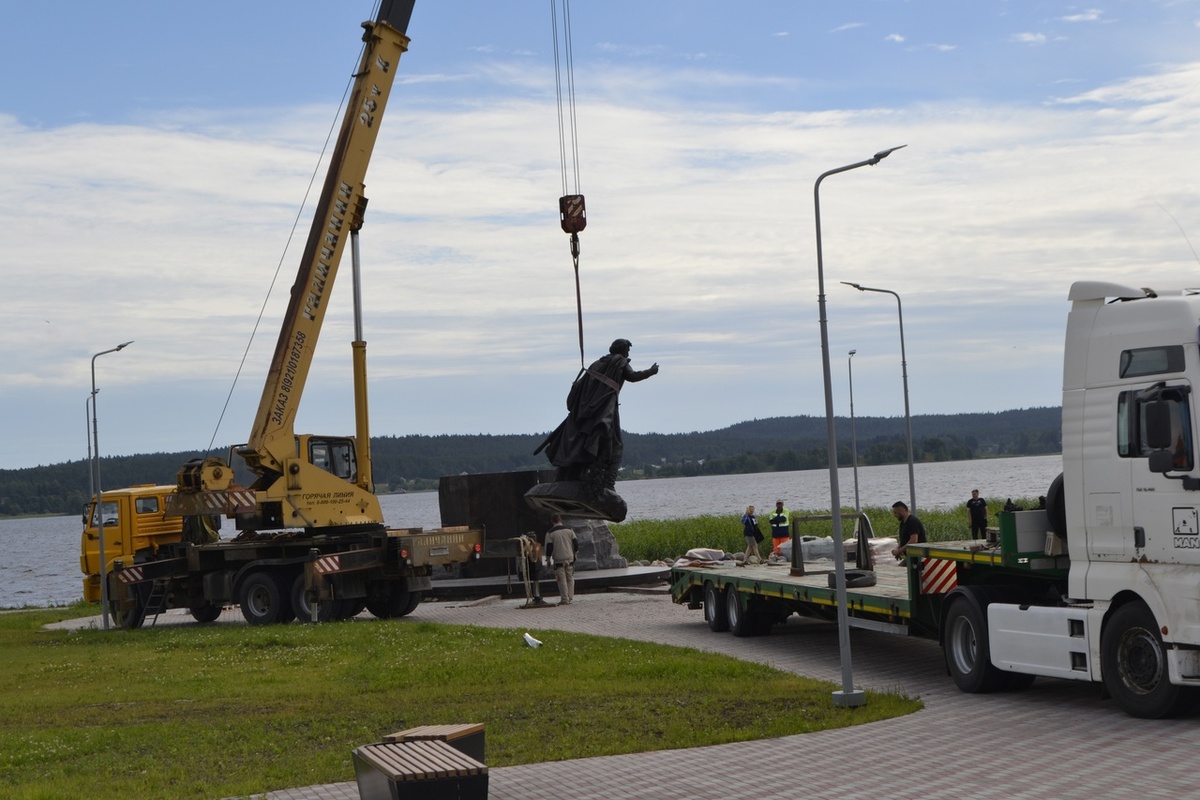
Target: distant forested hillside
761, 445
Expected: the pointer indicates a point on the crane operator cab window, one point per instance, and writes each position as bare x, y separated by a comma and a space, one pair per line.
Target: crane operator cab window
335, 456
146, 505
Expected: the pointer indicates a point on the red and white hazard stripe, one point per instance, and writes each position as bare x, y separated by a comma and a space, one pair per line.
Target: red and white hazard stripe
938, 575
131, 575
327, 564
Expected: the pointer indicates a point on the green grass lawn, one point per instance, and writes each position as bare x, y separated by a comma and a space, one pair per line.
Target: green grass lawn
229, 710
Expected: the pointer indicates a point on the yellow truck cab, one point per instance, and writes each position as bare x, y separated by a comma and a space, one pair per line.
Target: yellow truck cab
135, 519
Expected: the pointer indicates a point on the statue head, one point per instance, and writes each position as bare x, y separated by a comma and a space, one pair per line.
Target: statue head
620, 346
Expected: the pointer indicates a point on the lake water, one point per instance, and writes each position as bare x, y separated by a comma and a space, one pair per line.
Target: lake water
41, 555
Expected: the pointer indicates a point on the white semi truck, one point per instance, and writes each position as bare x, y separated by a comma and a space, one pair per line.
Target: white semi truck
1102, 585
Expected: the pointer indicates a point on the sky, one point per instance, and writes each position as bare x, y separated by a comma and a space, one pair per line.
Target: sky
155, 159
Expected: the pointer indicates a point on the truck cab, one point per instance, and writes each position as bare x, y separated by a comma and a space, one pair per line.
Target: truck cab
135, 520
1128, 507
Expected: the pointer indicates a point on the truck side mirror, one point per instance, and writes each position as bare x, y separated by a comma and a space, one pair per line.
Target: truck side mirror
1161, 461
1158, 425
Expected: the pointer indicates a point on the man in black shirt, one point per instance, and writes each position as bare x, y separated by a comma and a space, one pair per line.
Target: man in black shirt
911, 529
977, 511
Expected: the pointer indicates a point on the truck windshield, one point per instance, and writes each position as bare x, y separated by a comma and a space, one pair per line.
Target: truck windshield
108, 511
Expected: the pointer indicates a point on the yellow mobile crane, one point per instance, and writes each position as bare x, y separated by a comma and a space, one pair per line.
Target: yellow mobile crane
313, 542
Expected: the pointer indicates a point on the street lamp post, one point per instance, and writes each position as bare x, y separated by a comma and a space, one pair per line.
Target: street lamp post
912, 484
853, 436
96, 490
848, 695
87, 434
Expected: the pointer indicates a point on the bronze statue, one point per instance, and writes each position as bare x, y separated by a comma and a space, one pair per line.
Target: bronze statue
587, 447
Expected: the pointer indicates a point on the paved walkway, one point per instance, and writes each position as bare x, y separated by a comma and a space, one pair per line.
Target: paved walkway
1058, 739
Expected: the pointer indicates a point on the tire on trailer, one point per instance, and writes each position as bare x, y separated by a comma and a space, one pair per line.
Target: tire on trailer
741, 621
1056, 507
1133, 660
303, 609
205, 612
965, 646
714, 608
263, 599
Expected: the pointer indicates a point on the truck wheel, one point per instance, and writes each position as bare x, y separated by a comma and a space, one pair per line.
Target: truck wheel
966, 649
351, 608
303, 608
741, 622
128, 615
1134, 663
414, 600
205, 612
714, 609
263, 599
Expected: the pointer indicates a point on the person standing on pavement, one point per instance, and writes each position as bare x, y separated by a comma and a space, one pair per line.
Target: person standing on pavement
779, 527
911, 529
561, 547
977, 514
752, 534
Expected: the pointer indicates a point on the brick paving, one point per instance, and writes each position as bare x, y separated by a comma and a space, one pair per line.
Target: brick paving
1057, 739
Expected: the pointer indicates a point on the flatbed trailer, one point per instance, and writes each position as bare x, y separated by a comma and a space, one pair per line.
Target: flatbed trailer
1020, 563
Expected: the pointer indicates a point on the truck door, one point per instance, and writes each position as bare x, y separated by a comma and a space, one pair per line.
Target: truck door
1108, 514
1166, 495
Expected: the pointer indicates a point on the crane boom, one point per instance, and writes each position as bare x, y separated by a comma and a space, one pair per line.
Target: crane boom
272, 438
305, 481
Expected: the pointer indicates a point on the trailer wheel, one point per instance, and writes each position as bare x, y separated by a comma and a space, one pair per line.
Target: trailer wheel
263, 599
714, 609
1134, 662
303, 609
741, 621
966, 649
205, 612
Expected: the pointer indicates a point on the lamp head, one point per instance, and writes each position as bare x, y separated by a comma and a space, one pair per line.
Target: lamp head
852, 352
855, 285
123, 345
882, 154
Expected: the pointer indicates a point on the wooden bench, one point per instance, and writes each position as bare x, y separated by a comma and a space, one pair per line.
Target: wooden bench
467, 737
418, 770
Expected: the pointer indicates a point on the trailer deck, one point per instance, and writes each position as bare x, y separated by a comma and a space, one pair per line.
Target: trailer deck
905, 597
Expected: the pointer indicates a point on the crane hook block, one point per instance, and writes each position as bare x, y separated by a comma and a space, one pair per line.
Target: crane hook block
571, 213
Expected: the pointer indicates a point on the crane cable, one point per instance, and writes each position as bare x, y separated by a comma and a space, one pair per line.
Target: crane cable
296, 221
572, 214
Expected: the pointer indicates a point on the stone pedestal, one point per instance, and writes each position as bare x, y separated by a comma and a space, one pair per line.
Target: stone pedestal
496, 502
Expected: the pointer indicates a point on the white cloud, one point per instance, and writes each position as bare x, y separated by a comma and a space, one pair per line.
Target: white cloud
893, 37
700, 248
1029, 38
849, 26
1090, 15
